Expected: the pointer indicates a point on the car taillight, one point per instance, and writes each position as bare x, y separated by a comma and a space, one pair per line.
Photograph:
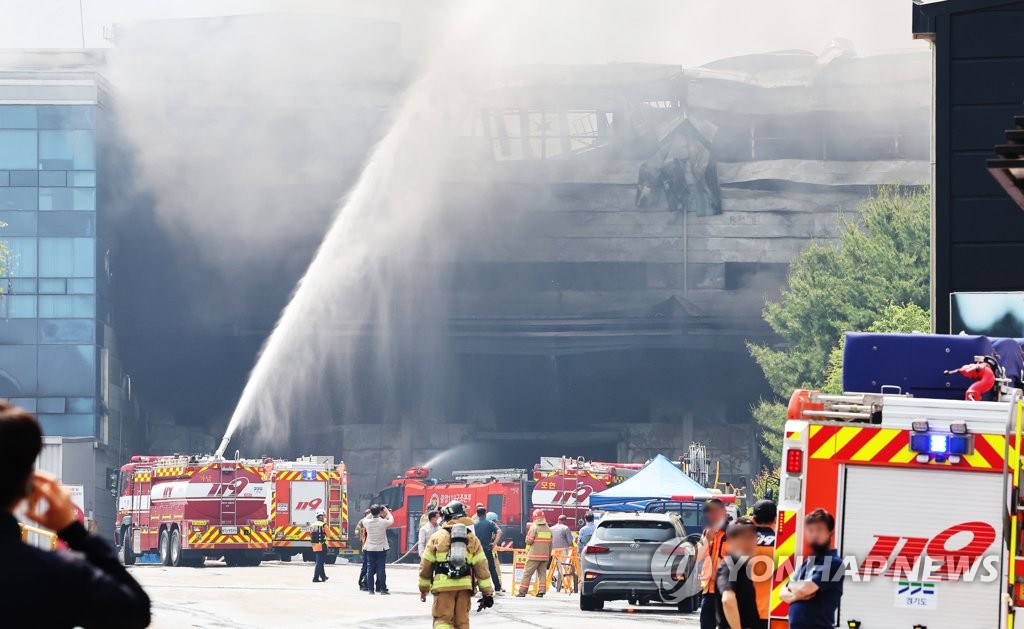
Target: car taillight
589, 576
596, 550
794, 461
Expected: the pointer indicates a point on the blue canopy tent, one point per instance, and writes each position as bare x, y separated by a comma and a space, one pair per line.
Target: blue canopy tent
658, 480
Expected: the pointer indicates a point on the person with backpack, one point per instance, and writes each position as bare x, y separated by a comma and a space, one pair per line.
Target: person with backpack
452, 568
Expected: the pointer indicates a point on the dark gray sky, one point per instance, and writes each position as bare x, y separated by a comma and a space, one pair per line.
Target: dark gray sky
689, 32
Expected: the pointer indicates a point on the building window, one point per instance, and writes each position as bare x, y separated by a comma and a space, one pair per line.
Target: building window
53, 178
18, 199
23, 256
84, 178
67, 257
52, 286
20, 306
18, 150
67, 150
17, 117
68, 306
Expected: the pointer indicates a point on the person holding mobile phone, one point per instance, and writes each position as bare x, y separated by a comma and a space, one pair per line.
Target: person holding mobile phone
93, 588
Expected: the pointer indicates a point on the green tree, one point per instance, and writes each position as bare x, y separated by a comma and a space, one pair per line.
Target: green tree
878, 261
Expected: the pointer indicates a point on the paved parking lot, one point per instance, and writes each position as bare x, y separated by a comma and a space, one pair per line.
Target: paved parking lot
283, 595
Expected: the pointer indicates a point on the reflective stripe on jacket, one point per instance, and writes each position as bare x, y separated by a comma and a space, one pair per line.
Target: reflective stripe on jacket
538, 541
437, 552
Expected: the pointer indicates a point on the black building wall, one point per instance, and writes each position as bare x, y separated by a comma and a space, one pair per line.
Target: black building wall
978, 240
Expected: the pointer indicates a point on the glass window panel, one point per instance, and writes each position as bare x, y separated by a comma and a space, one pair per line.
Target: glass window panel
25, 178
20, 306
67, 331
82, 287
5, 178
67, 370
55, 199
69, 425
67, 150
84, 199
53, 178
17, 149
66, 224
22, 255
81, 404
70, 306
19, 199
51, 405
17, 117
27, 403
67, 117
85, 178
67, 257
23, 286
52, 287
19, 223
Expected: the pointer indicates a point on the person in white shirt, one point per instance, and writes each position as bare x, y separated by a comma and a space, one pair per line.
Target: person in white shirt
561, 537
427, 530
376, 548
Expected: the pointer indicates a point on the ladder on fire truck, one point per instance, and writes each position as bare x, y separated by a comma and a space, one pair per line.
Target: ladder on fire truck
227, 502
484, 476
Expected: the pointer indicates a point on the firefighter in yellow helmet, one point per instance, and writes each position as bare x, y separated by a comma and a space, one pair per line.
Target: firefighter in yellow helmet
538, 555
452, 567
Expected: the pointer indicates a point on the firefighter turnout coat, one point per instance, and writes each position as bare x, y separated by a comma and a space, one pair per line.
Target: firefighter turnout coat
437, 552
538, 541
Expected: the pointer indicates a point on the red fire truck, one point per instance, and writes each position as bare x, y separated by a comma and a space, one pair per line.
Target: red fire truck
298, 489
189, 508
410, 497
925, 491
563, 485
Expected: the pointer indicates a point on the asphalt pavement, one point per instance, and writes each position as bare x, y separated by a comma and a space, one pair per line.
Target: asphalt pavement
283, 595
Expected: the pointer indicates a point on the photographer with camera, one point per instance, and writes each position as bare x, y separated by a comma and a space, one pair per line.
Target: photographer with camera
376, 548
87, 588
452, 567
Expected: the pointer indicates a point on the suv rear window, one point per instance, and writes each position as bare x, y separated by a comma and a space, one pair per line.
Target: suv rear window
633, 531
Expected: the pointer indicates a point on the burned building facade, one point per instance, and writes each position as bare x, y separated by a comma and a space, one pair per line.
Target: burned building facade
647, 212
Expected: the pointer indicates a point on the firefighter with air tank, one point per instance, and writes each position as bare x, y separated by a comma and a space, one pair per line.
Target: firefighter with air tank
452, 567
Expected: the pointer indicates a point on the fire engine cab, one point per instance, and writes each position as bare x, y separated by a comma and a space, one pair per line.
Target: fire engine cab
411, 496
189, 508
924, 484
563, 485
298, 489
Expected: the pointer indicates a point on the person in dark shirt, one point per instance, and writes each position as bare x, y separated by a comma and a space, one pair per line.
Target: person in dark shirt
736, 604
489, 534
89, 588
814, 590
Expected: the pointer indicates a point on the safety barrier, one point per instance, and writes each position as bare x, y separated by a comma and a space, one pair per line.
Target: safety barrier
565, 563
28, 531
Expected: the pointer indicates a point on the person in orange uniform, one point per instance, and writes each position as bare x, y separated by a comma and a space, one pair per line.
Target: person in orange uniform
764, 514
710, 550
538, 555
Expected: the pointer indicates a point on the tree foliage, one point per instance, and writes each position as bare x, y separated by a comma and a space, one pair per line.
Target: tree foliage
876, 274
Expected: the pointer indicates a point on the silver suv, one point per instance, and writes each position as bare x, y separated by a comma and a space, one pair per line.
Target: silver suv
641, 558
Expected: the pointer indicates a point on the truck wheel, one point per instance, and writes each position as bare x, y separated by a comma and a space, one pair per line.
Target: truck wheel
591, 603
234, 558
285, 556
192, 559
165, 547
330, 560
127, 552
690, 605
175, 549
254, 558
307, 556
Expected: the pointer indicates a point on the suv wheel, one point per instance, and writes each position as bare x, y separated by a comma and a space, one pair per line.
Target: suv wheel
591, 603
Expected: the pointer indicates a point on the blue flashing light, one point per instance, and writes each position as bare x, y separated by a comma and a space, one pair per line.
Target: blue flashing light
938, 444
308, 474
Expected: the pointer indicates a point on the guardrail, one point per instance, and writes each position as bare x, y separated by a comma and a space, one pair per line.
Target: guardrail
27, 530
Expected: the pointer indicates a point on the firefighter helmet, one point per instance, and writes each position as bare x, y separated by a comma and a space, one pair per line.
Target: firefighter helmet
538, 513
453, 510
320, 513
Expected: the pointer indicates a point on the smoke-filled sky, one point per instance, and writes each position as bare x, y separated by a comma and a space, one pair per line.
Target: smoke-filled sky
688, 32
